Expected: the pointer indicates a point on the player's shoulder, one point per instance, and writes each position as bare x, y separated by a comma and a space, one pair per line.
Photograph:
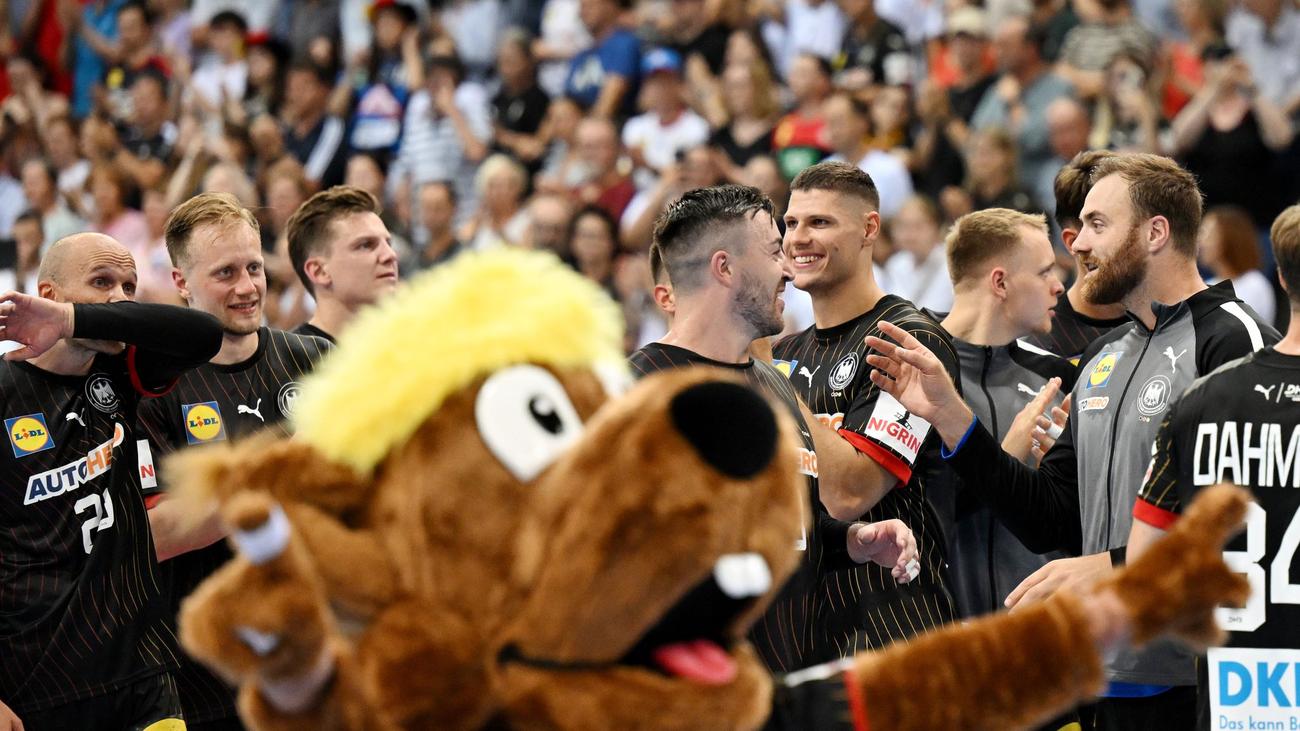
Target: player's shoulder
1043, 362
1109, 340
312, 346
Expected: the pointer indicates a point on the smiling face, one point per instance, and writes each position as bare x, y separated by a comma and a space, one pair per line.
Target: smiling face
828, 238
762, 273
1111, 253
224, 275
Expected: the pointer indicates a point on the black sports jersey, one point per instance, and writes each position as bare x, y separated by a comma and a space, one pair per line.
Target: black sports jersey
1072, 332
1241, 424
209, 404
309, 330
828, 368
82, 609
787, 635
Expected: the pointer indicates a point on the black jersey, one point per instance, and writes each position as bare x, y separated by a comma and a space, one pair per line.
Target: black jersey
1072, 332
828, 368
209, 404
788, 635
81, 594
309, 330
1241, 424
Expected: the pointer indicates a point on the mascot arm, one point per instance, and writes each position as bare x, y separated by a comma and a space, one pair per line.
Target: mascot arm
1012, 670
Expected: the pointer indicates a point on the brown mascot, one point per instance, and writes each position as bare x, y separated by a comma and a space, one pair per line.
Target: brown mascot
463, 534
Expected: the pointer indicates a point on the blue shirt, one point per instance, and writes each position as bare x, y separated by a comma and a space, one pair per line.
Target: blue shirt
619, 54
87, 66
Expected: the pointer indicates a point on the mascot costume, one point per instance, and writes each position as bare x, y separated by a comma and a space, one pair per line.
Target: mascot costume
475, 527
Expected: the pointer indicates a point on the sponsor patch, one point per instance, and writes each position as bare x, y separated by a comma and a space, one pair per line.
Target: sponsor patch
786, 367
55, 482
148, 473
29, 434
807, 462
1094, 403
896, 427
1101, 372
203, 422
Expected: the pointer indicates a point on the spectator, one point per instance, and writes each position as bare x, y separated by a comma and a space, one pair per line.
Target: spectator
173, 27
143, 146
266, 138
222, 76
749, 106
437, 211
873, 50
593, 244
42, 194
312, 136
795, 28
1108, 28
1204, 21
93, 44
153, 264
134, 53
936, 160
563, 36
391, 73
1126, 118
603, 184
520, 106
991, 174
918, 269
654, 139
920, 20
1057, 19
561, 168
697, 168
501, 220
367, 173
110, 188
1068, 129
258, 14
603, 79
763, 172
268, 60
447, 131
1229, 247
1266, 34
549, 215
968, 49
475, 27
28, 238
800, 138
848, 128
695, 32
228, 178
891, 120
62, 149
312, 19
287, 189
1018, 101
1228, 137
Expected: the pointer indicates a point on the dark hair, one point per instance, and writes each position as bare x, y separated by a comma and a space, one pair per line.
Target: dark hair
31, 214
1285, 235
611, 226
693, 220
838, 177
449, 61
656, 263
1072, 184
137, 5
308, 228
306, 65
445, 185
1239, 247
51, 172
229, 17
1157, 186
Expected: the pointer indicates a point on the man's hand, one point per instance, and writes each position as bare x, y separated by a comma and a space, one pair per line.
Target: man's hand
34, 322
912, 374
889, 543
1031, 434
9, 720
1075, 574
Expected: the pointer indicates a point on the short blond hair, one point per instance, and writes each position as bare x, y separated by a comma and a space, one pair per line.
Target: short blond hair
1285, 235
993, 233
201, 210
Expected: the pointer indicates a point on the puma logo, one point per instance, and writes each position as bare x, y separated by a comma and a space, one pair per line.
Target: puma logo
255, 410
803, 371
75, 416
1173, 359
1265, 391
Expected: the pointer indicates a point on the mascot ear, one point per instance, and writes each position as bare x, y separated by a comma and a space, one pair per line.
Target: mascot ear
288, 469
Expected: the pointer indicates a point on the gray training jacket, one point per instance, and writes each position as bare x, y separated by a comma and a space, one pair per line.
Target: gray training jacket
1081, 498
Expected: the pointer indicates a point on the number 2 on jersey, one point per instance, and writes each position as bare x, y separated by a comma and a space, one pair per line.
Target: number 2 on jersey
101, 520
1250, 617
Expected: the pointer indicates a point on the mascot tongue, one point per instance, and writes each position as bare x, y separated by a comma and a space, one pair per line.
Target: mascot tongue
701, 661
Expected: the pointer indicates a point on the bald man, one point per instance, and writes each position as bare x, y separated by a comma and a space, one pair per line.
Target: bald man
84, 641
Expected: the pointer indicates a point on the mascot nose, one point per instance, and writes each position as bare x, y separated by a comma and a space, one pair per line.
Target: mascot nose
730, 426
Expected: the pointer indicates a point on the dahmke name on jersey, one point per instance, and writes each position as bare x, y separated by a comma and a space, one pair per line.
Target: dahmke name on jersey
56, 481
1246, 453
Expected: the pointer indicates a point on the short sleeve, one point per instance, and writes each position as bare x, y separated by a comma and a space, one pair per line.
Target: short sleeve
621, 55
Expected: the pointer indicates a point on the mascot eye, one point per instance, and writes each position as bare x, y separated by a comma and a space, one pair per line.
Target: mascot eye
526, 419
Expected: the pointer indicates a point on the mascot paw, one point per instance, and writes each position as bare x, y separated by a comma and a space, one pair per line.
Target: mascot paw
1175, 586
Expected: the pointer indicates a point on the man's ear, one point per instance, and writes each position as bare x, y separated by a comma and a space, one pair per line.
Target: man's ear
182, 286
45, 289
871, 225
317, 273
1158, 234
997, 280
722, 267
1068, 235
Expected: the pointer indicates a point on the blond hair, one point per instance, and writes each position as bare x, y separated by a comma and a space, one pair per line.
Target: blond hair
993, 233
202, 210
1286, 248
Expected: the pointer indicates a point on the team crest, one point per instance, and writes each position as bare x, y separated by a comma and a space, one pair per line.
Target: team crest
842, 374
1101, 372
287, 397
786, 367
1154, 396
203, 422
29, 434
100, 393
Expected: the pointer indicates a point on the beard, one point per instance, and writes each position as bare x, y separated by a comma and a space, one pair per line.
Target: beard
756, 306
1116, 277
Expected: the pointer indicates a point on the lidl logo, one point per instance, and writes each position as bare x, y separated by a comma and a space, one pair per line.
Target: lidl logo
1101, 372
786, 367
203, 422
29, 434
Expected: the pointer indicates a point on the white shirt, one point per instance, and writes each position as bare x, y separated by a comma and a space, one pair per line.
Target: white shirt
925, 283
1272, 55
660, 143
817, 30
890, 175
562, 28
211, 78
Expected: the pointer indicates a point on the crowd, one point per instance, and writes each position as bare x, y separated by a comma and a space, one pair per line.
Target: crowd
569, 124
